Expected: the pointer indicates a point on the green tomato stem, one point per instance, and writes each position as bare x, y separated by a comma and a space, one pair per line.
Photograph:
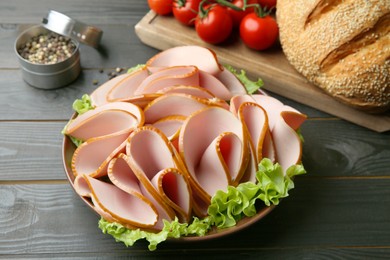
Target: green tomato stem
230, 5
262, 12
181, 3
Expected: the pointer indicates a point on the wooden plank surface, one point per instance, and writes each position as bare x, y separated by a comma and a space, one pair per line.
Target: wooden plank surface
280, 77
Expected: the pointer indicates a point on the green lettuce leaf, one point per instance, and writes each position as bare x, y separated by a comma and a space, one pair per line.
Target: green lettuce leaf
250, 86
227, 208
173, 229
299, 133
82, 105
273, 183
76, 141
135, 68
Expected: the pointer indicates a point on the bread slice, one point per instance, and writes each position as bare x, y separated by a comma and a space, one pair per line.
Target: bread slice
342, 46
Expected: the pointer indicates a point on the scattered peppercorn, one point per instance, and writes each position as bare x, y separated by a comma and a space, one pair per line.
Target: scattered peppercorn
47, 49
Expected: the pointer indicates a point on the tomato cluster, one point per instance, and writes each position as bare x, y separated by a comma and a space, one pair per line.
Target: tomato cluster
215, 20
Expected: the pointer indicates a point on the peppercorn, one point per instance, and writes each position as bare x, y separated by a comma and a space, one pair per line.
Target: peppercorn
47, 49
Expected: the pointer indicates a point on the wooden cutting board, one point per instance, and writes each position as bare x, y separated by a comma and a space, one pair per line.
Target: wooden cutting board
279, 76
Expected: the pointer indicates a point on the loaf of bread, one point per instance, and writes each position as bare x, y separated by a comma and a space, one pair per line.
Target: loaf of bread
341, 46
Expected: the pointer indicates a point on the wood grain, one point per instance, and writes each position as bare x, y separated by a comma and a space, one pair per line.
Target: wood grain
31, 154
279, 76
43, 219
331, 150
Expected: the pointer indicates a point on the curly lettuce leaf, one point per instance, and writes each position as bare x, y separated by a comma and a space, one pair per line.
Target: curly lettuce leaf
173, 229
227, 208
135, 68
82, 105
250, 86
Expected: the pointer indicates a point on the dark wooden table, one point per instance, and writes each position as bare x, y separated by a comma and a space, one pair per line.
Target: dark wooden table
340, 209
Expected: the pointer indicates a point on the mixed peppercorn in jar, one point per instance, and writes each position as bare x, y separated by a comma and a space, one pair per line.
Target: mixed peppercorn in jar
48, 48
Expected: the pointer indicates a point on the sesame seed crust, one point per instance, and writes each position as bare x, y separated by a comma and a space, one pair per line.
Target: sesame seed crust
342, 46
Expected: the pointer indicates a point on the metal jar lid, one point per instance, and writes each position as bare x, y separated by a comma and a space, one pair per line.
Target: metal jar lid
66, 26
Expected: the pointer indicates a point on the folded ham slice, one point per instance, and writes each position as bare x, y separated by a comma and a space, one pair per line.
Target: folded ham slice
92, 157
189, 90
93, 123
130, 208
122, 175
157, 166
214, 85
81, 187
99, 95
283, 123
128, 86
256, 121
203, 58
281, 143
287, 142
170, 126
173, 105
255, 118
274, 107
167, 77
175, 190
208, 138
231, 82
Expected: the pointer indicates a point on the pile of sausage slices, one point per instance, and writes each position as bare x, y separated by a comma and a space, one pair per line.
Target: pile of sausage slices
161, 140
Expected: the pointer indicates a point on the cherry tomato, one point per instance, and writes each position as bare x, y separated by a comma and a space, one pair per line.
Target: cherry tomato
267, 3
257, 32
161, 7
237, 16
185, 11
216, 26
